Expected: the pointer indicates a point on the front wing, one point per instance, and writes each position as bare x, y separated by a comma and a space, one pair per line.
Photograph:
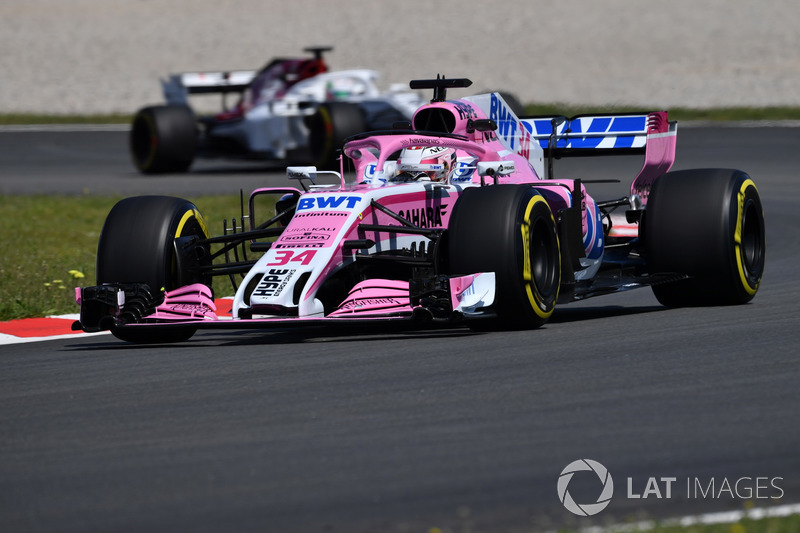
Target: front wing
442, 299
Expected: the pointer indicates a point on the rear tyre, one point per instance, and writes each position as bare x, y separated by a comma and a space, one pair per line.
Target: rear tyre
163, 139
332, 123
137, 246
508, 230
707, 224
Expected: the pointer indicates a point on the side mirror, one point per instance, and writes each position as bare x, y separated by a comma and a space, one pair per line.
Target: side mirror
311, 174
485, 124
299, 173
496, 168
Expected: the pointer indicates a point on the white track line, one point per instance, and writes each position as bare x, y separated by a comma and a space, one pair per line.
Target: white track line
5, 338
724, 517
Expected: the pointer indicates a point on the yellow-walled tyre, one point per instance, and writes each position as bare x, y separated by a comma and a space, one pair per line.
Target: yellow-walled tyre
137, 245
707, 224
508, 230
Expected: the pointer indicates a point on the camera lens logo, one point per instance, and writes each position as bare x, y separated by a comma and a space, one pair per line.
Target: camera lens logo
585, 509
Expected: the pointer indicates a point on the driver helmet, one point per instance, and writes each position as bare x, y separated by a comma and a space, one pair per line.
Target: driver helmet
431, 162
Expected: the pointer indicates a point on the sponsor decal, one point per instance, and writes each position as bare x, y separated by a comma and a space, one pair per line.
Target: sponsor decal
464, 171
318, 214
307, 237
593, 240
194, 309
431, 149
273, 282
324, 202
284, 257
425, 217
300, 245
513, 133
622, 132
469, 291
369, 175
327, 229
414, 141
465, 110
371, 302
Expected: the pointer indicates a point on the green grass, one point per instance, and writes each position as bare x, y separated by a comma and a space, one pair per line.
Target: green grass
29, 118
49, 248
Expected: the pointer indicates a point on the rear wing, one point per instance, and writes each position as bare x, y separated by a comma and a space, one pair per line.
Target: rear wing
179, 86
545, 138
594, 135
651, 134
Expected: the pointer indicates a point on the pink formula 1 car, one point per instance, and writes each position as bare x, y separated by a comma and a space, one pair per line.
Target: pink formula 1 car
454, 217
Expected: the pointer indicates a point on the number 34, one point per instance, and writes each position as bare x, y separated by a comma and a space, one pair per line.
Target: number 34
285, 257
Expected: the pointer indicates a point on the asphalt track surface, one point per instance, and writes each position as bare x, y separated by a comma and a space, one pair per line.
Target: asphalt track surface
383, 430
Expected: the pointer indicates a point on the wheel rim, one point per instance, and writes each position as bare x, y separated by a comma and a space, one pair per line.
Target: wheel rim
543, 258
752, 245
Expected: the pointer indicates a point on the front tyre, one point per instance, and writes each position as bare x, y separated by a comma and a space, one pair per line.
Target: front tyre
508, 230
163, 139
707, 224
137, 245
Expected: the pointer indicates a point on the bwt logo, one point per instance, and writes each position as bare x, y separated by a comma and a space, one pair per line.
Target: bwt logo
328, 202
585, 509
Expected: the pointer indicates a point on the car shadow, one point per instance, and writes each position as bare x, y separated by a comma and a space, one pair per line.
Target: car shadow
366, 332
566, 314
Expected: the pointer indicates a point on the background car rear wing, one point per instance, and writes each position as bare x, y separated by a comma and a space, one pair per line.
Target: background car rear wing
178, 86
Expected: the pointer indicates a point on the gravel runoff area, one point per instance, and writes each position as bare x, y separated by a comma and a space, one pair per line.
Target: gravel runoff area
100, 56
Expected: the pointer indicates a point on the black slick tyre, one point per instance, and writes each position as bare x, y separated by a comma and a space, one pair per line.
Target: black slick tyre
163, 139
707, 224
329, 126
508, 230
137, 246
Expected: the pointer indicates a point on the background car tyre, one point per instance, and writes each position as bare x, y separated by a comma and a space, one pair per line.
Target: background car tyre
332, 123
163, 139
509, 230
137, 246
707, 224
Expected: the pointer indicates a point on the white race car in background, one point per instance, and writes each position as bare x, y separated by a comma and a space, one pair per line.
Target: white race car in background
292, 110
